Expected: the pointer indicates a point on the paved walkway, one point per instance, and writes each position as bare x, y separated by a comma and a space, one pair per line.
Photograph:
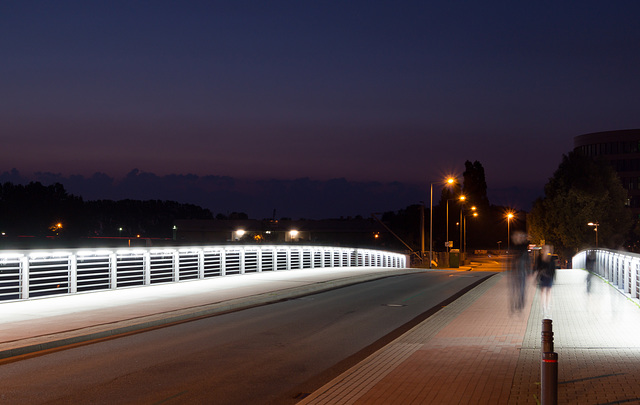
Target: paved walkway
477, 351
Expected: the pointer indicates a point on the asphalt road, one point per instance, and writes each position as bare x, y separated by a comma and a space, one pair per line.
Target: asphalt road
270, 354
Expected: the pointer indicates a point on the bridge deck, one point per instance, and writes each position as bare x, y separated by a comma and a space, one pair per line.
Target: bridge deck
475, 350
47, 323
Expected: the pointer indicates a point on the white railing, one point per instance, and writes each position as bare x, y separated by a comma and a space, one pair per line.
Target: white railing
621, 269
36, 274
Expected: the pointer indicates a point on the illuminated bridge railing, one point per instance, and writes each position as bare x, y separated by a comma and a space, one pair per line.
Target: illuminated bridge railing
37, 274
621, 269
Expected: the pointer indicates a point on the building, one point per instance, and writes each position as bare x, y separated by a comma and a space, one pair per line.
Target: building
622, 150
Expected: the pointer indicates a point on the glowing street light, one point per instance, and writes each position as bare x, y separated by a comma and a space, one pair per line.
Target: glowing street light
509, 216
461, 198
595, 224
239, 234
293, 234
448, 181
474, 213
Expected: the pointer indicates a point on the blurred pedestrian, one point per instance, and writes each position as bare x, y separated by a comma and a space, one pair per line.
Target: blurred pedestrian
590, 265
519, 268
546, 272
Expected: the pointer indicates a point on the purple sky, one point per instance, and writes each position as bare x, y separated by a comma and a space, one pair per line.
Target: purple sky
368, 91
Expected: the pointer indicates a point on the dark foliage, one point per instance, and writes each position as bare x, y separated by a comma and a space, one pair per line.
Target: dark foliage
49, 212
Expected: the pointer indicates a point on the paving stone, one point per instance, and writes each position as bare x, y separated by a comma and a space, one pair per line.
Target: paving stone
477, 350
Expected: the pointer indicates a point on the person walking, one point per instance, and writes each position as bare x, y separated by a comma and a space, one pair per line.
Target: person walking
519, 268
546, 271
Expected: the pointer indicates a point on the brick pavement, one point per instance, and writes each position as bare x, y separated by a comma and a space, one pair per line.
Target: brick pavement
476, 350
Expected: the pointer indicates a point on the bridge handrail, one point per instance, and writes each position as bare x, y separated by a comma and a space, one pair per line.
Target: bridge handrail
620, 268
39, 274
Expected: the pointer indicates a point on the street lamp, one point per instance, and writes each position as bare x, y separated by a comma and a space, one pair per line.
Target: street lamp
595, 224
422, 231
449, 181
238, 234
510, 216
474, 213
461, 198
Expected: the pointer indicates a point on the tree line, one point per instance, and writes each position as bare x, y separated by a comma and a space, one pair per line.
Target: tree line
581, 191
35, 211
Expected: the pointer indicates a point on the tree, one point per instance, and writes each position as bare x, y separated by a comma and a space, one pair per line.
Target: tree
474, 184
582, 190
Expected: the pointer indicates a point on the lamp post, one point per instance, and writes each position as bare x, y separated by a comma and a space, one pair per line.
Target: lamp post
461, 198
422, 231
509, 216
464, 225
448, 181
595, 224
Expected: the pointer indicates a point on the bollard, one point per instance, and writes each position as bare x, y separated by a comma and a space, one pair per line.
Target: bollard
548, 367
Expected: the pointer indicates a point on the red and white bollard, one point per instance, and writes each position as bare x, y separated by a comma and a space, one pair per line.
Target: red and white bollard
548, 367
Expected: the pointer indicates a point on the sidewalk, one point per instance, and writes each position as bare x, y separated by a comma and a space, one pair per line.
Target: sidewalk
476, 351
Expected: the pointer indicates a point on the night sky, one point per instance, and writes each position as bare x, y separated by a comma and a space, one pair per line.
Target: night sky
264, 94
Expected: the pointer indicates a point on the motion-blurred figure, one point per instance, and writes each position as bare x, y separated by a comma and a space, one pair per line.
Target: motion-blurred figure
546, 270
590, 265
519, 268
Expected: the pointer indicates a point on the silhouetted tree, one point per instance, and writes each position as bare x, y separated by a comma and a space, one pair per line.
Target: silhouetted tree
474, 185
582, 190
36, 210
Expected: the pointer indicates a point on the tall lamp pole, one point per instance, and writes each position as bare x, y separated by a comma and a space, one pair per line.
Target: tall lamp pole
422, 231
431, 228
449, 180
595, 224
464, 219
461, 198
509, 217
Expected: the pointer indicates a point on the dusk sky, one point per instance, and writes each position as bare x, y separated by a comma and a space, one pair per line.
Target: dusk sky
258, 91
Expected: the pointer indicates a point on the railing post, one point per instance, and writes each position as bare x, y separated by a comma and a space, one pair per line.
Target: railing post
24, 277
241, 260
176, 266
200, 264
146, 263
113, 271
549, 366
73, 273
223, 262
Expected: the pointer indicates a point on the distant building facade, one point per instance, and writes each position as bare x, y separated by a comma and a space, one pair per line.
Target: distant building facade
622, 150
